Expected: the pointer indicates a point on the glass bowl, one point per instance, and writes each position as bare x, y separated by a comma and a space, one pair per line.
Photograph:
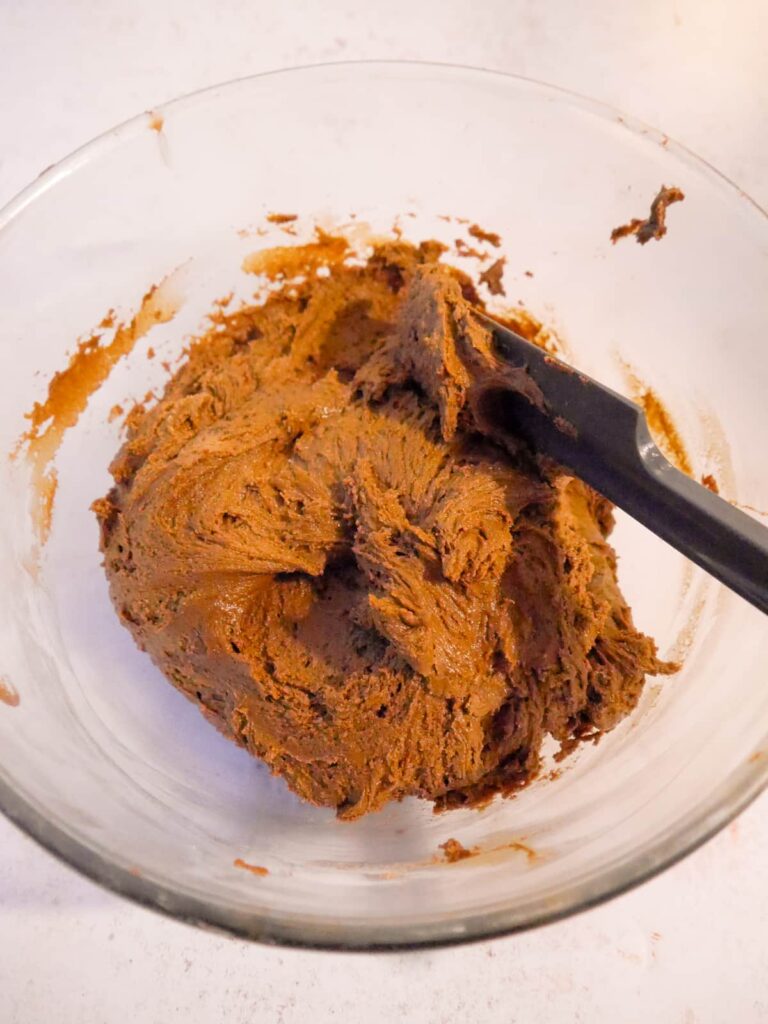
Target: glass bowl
108, 766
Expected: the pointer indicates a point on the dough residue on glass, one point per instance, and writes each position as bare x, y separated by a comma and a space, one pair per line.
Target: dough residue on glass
8, 694
454, 851
70, 389
655, 224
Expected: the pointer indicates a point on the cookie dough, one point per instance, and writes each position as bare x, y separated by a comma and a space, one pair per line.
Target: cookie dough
655, 224
313, 539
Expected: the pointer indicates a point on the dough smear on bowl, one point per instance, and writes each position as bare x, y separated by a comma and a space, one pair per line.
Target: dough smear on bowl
313, 540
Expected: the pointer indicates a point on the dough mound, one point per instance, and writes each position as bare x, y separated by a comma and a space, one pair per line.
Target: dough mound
314, 540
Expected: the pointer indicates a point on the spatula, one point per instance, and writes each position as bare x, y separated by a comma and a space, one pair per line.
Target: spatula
604, 439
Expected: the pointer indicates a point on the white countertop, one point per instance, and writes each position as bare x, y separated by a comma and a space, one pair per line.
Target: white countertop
690, 947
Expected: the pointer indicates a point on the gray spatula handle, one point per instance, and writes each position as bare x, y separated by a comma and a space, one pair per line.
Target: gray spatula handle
606, 442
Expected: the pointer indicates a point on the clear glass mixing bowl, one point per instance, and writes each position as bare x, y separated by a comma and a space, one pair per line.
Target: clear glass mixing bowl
108, 766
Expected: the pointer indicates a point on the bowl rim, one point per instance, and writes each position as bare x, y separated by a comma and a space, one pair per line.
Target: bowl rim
712, 814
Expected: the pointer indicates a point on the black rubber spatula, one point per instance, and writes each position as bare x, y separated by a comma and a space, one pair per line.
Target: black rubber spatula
604, 439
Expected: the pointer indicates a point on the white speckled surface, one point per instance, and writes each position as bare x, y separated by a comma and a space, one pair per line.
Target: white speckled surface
690, 946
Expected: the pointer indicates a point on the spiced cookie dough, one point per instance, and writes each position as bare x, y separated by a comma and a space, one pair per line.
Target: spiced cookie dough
312, 539
655, 224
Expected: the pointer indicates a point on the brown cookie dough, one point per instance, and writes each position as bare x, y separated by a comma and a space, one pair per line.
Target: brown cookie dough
312, 540
655, 224
493, 277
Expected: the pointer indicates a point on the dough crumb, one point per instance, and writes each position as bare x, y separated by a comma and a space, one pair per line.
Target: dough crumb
462, 249
282, 218
484, 236
255, 869
492, 277
454, 851
655, 224
8, 695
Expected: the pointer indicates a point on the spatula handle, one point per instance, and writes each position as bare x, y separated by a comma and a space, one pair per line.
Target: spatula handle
728, 543
613, 451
